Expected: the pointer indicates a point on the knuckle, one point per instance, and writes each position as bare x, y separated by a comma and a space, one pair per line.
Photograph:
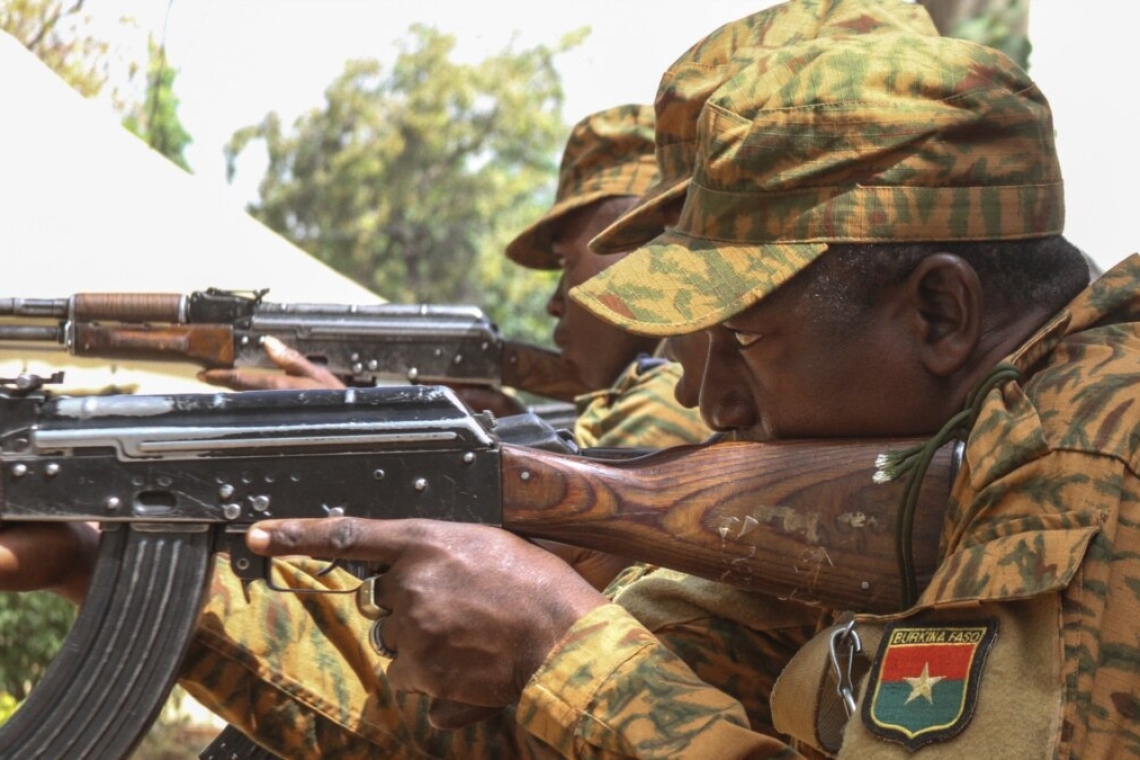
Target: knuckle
287, 534
343, 533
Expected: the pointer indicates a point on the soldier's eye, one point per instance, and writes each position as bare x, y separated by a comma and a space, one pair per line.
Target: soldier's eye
746, 339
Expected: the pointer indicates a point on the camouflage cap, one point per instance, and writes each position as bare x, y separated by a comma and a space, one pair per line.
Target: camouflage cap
711, 62
884, 137
609, 153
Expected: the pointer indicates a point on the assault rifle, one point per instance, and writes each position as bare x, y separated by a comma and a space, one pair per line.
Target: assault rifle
359, 343
174, 479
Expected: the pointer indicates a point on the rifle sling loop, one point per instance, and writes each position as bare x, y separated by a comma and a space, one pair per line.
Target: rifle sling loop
916, 460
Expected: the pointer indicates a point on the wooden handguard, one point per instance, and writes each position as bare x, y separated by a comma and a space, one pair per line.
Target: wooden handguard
208, 346
127, 307
794, 519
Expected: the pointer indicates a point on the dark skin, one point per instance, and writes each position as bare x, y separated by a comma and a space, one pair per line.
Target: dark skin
597, 349
691, 351
921, 349
904, 372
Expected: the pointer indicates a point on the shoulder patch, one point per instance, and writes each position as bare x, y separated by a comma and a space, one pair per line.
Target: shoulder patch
923, 684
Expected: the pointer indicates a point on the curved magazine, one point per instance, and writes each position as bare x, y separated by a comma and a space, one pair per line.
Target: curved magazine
112, 675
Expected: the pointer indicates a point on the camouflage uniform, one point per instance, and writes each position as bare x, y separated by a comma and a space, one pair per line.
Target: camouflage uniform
297, 671
638, 410
1039, 555
1024, 643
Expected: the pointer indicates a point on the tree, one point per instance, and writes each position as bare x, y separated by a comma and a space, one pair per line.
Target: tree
1001, 24
155, 119
32, 626
410, 181
57, 33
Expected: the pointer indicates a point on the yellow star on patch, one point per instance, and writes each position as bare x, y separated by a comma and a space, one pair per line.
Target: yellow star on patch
923, 685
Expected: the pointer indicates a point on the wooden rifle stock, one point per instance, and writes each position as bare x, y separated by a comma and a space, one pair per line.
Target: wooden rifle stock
796, 519
540, 371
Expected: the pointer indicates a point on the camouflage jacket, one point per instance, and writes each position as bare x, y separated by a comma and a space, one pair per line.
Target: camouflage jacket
638, 410
1024, 644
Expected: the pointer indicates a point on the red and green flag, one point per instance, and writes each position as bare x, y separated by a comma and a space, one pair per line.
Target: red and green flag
924, 682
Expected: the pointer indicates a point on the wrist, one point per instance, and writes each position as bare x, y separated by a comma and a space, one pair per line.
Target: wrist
563, 611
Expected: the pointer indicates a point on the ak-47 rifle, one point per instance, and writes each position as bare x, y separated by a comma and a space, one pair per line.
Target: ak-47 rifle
359, 343
174, 479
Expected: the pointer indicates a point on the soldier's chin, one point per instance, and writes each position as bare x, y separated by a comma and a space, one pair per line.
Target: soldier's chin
572, 356
761, 433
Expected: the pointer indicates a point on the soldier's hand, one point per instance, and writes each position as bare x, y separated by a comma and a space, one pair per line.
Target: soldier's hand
598, 568
474, 610
300, 373
57, 557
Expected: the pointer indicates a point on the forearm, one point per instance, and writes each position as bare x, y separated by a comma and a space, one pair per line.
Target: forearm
611, 690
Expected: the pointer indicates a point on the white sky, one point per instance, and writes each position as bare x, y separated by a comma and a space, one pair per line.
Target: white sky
239, 59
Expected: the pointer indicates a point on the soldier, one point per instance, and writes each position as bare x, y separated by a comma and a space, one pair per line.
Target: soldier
606, 166
878, 250
873, 237
713, 646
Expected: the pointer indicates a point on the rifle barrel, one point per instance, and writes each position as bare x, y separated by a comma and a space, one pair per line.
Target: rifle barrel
45, 333
34, 307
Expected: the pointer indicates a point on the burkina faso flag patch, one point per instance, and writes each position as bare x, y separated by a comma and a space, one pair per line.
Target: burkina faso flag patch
924, 682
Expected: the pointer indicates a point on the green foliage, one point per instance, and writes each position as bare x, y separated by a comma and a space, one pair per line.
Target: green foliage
410, 181
8, 706
57, 33
32, 627
1001, 26
156, 120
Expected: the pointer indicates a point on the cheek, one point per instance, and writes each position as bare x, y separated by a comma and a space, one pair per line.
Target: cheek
801, 391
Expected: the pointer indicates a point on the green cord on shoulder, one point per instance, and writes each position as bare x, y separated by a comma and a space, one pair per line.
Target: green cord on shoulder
915, 461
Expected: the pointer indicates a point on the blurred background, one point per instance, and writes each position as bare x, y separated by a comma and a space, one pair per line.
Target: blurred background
355, 151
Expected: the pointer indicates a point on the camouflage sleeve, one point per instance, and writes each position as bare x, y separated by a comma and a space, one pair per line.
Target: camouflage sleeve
639, 411
734, 640
295, 671
611, 690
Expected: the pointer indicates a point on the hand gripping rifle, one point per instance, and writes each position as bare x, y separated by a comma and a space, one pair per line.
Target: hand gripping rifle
359, 343
174, 479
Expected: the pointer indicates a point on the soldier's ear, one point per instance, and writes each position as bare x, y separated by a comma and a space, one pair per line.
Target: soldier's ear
946, 298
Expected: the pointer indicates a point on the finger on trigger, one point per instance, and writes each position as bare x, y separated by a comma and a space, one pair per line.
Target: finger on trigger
330, 538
